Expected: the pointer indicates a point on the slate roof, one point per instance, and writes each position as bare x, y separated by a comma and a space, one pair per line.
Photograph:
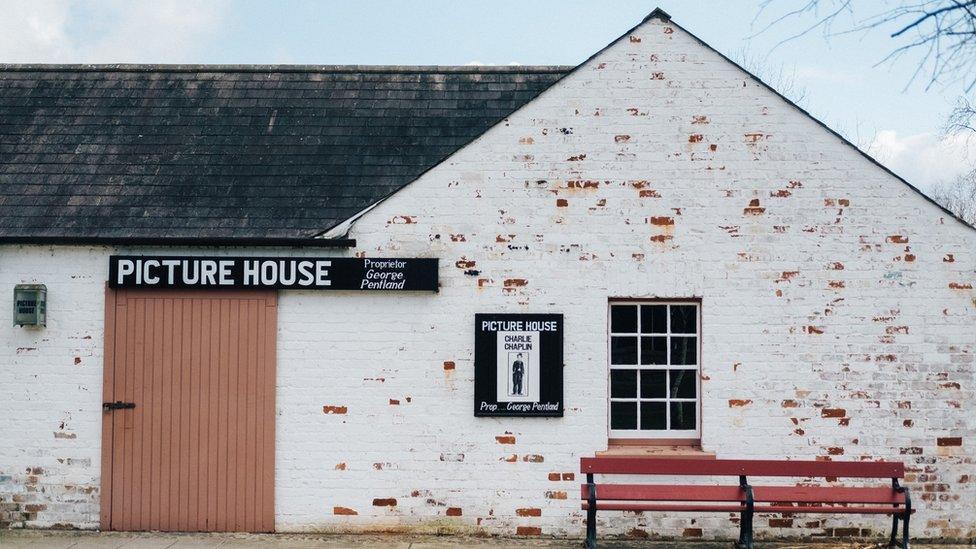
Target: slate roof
231, 152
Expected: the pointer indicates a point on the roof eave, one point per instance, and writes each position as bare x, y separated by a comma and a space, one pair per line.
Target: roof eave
357, 69
303, 242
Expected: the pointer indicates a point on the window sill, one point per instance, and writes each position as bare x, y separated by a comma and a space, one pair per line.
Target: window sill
650, 450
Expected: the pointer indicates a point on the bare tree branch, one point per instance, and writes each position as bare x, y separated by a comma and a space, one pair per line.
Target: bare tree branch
777, 77
961, 119
959, 197
941, 32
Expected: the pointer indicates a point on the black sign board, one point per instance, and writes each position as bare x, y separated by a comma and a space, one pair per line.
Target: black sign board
518, 365
283, 273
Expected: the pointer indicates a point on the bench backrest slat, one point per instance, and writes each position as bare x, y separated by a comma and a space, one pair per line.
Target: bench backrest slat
736, 467
645, 492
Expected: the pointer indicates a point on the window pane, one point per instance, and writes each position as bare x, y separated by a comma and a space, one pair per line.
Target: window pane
623, 415
654, 319
683, 416
683, 319
652, 416
623, 383
684, 350
623, 319
682, 383
653, 383
623, 350
654, 350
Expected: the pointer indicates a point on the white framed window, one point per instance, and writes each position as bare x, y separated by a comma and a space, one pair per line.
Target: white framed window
653, 348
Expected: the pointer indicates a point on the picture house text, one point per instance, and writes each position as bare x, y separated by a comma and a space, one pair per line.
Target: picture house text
518, 326
221, 272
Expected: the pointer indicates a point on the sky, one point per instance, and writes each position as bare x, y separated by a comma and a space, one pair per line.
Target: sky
841, 82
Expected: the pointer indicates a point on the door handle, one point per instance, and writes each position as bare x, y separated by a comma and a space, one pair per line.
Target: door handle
118, 405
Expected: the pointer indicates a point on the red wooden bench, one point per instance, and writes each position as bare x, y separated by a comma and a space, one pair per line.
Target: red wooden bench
745, 498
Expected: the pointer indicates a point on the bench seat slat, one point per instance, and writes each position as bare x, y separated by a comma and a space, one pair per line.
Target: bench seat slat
737, 467
830, 509
826, 494
779, 509
652, 492
619, 506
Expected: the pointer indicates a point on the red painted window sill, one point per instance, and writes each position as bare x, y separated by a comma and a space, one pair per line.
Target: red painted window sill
671, 449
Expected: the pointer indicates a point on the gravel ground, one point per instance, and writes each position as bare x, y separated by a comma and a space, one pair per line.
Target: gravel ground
41, 539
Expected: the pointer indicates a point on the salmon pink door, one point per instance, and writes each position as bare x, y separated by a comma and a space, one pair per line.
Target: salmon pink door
188, 413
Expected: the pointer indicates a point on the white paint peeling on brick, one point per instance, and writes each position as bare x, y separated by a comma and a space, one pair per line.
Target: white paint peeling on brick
829, 322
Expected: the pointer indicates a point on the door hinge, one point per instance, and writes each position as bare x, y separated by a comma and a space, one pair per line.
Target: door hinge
118, 405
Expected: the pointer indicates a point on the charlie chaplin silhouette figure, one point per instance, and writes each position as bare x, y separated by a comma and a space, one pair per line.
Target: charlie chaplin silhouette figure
518, 372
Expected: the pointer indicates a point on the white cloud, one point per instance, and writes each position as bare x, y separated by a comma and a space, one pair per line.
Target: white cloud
110, 31
924, 159
33, 31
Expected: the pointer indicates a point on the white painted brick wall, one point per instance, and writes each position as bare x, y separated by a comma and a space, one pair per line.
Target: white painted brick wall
841, 293
51, 390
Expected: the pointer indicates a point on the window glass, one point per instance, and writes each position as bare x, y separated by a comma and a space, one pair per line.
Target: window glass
654, 350
623, 415
684, 319
684, 350
683, 383
654, 319
653, 383
653, 416
623, 319
683, 416
623, 384
623, 350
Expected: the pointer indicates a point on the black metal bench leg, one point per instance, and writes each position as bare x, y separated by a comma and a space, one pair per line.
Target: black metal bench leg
745, 517
904, 530
590, 513
893, 540
745, 530
907, 515
591, 528
748, 540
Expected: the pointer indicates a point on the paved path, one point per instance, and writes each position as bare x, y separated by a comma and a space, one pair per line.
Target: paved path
40, 539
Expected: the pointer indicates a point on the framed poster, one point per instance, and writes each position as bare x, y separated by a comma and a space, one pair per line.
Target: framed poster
518, 365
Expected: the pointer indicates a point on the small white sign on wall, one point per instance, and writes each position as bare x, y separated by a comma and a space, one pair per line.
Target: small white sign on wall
518, 367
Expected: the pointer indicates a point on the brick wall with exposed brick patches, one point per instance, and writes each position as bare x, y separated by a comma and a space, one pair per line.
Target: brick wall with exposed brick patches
837, 318
837, 313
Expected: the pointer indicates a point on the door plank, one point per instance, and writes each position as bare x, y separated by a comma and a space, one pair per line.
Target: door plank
108, 395
163, 509
122, 391
268, 414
